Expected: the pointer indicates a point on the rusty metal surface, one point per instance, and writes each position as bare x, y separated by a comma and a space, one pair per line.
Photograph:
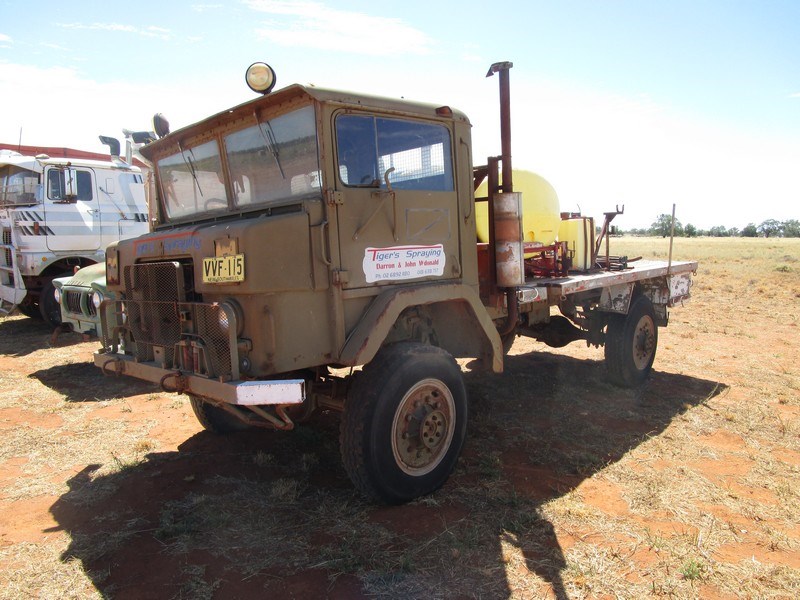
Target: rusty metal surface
245, 393
640, 271
508, 239
616, 298
364, 341
679, 286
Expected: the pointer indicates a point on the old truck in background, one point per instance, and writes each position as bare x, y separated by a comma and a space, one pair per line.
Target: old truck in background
318, 249
80, 293
58, 214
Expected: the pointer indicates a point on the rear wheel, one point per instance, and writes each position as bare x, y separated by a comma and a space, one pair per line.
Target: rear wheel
404, 423
631, 342
214, 418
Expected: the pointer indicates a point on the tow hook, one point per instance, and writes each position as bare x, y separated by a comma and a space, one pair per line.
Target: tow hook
119, 367
180, 383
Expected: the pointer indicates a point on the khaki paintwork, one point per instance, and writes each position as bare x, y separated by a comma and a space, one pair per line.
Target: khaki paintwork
305, 301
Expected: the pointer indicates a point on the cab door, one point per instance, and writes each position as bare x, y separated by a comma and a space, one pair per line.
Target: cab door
397, 202
71, 207
124, 212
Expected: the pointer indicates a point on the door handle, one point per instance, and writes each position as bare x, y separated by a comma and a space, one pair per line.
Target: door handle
383, 196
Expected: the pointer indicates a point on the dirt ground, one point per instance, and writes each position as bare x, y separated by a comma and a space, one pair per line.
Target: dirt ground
568, 486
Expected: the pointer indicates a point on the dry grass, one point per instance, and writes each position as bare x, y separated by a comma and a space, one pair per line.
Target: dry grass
568, 487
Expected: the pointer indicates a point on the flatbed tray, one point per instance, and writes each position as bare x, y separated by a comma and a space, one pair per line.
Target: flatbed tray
598, 279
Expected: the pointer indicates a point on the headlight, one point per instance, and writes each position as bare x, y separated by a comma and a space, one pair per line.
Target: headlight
97, 299
222, 319
57, 295
235, 312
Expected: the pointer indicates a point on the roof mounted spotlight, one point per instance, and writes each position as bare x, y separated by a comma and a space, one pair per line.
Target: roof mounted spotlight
260, 78
160, 125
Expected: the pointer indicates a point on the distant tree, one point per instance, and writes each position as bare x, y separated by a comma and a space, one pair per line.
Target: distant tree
750, 230
791, 228
690, 230
663, 225
733, 231
769, 228
718, 231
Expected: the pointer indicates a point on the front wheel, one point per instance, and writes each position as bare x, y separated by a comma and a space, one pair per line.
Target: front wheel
631, 342
214, 418
404, 423
49, 308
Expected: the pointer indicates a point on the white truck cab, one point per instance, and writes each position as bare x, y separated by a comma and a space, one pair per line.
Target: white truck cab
58, 214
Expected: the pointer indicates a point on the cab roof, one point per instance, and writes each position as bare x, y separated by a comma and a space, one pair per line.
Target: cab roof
37, 163
294, 92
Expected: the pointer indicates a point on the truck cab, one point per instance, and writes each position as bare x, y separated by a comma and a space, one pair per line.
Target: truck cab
292, 214
57, 214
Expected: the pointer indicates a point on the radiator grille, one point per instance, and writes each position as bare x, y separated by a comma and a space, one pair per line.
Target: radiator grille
191, 336
72, 300
154, 281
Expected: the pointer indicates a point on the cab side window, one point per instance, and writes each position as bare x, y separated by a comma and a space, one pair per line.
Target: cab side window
69, 185
418, 152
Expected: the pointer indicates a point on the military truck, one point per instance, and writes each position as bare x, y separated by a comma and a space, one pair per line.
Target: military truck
317, 249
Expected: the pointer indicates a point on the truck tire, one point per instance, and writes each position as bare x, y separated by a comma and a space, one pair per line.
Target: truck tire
631, 342
404, 423
30, 310
48, 307
213, 418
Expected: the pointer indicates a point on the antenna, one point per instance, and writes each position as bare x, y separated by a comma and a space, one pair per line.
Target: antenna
19, 143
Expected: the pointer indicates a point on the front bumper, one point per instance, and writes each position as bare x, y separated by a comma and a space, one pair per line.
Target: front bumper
243, 393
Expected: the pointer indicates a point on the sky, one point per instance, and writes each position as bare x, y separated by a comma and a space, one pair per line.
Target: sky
635, 103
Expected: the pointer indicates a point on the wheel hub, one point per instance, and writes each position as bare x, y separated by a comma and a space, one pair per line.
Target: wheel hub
432, 428
644, 343
423, 427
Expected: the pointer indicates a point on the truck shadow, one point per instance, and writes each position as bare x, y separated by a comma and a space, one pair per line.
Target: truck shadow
78, 382
268, 514
20, 335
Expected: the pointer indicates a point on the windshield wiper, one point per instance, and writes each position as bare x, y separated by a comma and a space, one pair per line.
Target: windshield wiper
269, 141
189, 162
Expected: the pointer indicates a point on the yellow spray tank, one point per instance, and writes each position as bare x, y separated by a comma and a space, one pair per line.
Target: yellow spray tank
540, 211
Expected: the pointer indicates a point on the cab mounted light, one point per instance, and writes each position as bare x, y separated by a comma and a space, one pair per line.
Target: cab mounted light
260, 78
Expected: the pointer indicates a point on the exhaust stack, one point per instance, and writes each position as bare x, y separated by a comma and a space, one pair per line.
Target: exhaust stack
506, 206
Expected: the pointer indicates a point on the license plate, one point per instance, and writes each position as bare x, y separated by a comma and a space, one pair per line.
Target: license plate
223, 269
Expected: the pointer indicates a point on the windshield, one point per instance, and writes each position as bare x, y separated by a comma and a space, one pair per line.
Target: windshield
19, 186
271, 161
275, 160
192, 181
